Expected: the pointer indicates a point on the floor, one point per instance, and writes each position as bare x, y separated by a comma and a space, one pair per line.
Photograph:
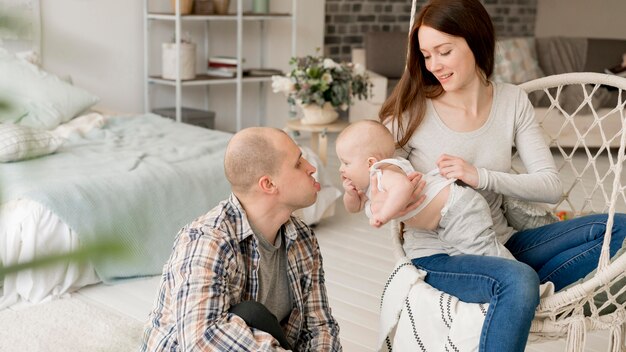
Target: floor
357, 262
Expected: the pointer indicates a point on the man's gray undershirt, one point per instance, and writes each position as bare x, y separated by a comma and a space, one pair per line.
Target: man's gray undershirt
273, 281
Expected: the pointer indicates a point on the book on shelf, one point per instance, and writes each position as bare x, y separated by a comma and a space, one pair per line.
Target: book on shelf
219, 65
229, 60
221, 72
262, 72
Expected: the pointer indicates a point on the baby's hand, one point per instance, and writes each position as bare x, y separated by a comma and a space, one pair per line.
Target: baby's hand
349, 187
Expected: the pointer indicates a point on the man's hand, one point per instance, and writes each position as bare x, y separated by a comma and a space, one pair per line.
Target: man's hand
455, 167
378, 198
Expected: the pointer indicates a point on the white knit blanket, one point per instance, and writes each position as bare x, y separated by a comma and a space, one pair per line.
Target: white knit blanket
415, 316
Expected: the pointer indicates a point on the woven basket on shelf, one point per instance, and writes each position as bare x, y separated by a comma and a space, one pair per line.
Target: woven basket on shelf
185, 6
203, 7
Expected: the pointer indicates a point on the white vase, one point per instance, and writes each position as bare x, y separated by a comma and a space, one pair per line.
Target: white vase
318, 115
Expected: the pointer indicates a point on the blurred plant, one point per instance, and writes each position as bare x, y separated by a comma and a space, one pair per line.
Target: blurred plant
95, 252
12, 26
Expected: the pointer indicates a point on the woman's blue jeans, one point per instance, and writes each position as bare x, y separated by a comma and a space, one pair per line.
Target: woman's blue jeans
562, 252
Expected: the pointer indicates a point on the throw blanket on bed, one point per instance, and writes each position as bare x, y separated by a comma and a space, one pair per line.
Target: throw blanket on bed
414, 316
137, 180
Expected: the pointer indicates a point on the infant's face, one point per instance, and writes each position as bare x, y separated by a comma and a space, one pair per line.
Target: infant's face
354, 166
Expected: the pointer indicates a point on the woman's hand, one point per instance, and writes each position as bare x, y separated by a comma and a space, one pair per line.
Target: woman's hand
378, 198
455, 167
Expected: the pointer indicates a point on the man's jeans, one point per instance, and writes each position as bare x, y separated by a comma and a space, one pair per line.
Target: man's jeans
562, 252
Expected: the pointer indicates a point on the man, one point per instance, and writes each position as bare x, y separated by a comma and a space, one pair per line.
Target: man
246, 265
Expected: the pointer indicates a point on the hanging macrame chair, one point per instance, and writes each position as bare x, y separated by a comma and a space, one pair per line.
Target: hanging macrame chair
598, 302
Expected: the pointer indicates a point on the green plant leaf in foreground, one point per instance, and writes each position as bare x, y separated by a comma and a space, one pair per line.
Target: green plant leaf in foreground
88, 252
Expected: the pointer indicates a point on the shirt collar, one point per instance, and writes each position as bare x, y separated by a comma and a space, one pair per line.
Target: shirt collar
245, 230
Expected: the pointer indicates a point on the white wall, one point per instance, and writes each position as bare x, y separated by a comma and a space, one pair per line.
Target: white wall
99, 43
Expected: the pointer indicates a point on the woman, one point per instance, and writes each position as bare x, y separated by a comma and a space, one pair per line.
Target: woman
446, 113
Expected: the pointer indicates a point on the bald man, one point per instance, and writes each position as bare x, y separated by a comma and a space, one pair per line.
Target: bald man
247, 276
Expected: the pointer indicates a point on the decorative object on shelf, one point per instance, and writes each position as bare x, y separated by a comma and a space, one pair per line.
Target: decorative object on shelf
203, 7
315, 81
260, 6
185, 6
220, 7
187, 60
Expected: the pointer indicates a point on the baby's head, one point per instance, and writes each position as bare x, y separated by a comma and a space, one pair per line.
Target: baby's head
360, 145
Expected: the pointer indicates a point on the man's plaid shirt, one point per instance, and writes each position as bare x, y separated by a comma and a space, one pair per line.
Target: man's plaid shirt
213, 266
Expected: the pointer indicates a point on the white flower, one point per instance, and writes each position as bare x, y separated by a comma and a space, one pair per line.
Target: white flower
329, 64
359, 69
282, 84
327, 77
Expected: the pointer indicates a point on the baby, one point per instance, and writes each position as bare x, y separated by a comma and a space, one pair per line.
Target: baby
458, 215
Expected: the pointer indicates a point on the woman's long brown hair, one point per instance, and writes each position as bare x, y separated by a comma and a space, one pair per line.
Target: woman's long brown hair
406, 106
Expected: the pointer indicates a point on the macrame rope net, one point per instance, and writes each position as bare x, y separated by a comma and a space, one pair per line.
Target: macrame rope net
597, 302
580, 133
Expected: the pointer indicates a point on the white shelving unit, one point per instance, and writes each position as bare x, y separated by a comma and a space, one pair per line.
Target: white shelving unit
202, 79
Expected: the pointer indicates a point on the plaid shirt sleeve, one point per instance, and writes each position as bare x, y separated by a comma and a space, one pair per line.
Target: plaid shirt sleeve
201, 271
320, 329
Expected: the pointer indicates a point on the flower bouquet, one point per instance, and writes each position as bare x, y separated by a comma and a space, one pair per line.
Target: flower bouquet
320, 85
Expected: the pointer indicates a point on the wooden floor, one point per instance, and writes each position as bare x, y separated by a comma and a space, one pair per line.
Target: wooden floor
357, 262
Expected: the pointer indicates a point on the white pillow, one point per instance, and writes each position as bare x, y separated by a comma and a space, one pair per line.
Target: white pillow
21, 142
516, 61
49, 100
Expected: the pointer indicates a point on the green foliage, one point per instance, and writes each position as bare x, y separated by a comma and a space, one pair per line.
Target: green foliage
12, 26
90, 252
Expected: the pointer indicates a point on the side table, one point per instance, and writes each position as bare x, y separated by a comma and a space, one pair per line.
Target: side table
319, 134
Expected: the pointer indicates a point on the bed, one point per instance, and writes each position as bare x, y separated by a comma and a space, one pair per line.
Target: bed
135, 180
70, 176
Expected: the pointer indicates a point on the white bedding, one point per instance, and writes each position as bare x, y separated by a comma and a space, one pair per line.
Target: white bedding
28, 230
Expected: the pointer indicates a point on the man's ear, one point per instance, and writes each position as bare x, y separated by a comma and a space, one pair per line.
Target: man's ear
267, 185
371, 161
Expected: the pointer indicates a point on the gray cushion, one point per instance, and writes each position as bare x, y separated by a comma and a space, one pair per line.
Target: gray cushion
385, 53
603, 53
568, 54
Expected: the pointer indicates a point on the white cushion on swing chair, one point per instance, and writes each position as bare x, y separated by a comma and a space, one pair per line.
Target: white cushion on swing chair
414, 316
